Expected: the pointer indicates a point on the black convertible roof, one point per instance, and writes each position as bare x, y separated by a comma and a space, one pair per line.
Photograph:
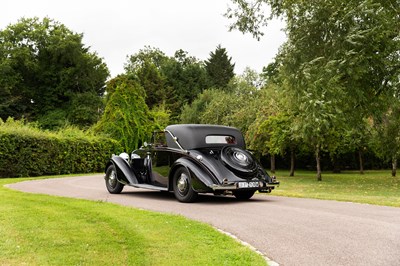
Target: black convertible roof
193, 136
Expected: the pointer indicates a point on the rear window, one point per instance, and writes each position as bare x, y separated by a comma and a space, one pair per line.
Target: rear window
219, 139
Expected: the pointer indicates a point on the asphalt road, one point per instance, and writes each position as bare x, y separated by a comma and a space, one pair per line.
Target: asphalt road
290, 231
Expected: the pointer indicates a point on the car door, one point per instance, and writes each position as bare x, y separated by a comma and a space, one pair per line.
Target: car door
160, 166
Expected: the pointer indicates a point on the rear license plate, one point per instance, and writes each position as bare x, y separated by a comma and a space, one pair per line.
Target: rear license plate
252, 184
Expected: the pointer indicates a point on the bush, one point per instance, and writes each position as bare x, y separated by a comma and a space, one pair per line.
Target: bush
26, 150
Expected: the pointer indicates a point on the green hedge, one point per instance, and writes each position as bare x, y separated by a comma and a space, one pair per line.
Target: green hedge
29, 151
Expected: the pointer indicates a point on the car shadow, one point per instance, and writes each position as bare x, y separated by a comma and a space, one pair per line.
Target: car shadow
207, 199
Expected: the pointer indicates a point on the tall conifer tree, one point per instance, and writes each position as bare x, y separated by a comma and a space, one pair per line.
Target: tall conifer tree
220, 68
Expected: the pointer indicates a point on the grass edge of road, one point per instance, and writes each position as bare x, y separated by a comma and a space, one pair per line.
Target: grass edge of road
38, 229
375, 187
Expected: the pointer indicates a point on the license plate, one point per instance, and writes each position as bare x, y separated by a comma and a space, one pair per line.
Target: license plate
251, 184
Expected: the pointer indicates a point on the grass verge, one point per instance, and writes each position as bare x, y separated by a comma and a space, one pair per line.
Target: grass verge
373, 187
47, 230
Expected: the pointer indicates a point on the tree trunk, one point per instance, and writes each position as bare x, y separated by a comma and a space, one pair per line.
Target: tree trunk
292, 158
360, 157
394, 166
318, 159
273, 163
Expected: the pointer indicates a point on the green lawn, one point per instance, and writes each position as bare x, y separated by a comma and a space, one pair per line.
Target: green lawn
47, 230
374, 187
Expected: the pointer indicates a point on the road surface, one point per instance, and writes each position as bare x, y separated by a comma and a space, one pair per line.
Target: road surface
290, 231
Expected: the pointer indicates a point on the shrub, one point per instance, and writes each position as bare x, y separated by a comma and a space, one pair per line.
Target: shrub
25, 150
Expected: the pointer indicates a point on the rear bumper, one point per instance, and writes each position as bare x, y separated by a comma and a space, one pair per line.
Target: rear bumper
261, 187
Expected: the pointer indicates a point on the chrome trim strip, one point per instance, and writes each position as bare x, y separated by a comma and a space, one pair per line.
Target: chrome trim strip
175, 139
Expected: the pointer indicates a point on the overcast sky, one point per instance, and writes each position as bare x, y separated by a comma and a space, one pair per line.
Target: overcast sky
115, 29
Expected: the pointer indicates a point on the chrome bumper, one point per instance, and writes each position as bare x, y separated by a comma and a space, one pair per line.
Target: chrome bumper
235, 186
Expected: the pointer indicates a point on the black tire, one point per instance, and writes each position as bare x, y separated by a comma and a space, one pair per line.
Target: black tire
182, 185
112, 183
239, 161
244, 195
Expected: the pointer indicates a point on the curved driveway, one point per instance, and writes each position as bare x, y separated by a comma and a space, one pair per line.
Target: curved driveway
290, 231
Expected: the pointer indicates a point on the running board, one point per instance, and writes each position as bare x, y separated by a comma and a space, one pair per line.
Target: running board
147, 186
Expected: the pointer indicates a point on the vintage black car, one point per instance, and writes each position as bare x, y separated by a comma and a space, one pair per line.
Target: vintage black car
191, 159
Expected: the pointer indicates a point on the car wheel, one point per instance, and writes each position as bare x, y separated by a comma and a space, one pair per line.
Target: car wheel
112, 184
239, 161
244, 195
182, 185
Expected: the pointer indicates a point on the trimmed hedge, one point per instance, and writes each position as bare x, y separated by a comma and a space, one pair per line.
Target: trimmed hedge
28, 151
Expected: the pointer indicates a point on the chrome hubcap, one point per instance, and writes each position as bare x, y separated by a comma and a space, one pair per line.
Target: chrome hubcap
112, 179
182, 183
240, 156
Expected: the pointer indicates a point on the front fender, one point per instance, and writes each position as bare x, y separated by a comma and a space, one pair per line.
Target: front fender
125, 174
202, 179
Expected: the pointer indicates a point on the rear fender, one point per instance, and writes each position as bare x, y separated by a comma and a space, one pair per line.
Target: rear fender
202, 180
125, 175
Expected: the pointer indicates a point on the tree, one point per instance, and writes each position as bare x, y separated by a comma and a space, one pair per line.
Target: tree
152, 80
126, 117
356, 138
192, 113
168, 81
146, 55
220, 68
145, 67
234, 106
245, 90
221, 106
386, 134
186, 75
160, 116
43, 67
84, 109
339, 57
270, 131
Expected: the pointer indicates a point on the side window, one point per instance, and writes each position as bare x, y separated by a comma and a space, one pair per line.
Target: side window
220, 139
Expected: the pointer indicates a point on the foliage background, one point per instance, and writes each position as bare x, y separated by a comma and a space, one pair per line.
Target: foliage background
328, 101
48, 75
26, 150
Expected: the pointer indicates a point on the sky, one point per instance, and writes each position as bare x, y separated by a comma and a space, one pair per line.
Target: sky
119, 28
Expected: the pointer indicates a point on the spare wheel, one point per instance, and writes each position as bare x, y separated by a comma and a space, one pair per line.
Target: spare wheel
239, 161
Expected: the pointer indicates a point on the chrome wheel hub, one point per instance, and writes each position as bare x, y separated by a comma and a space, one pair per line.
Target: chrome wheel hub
112, 179
182, 183
240, 156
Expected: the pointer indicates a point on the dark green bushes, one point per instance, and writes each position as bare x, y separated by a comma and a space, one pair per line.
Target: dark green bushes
27, 151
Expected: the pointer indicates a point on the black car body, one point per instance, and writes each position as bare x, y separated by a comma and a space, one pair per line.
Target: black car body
191, 159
